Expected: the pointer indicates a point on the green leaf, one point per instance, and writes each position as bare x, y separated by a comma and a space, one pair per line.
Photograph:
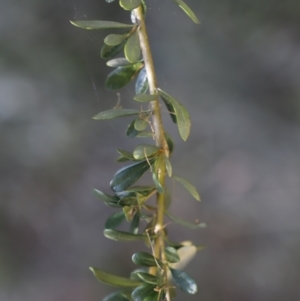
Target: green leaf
144, 151
171, 110
118, 62
125, 154
114, 113
95, 24
109, 1
109, 200
114, 220
168, 167
148, 278
140, 124
132, 48
108, 52
145, 97
135, 223
121, 76
130, 4
158, 185
124, 236
188, 186
184, 281
145, 259
105, 197
131, 130
141, 292
187, 10
116, 296
115, 39
145, 135
128, 210
122, 159
130, 201
144, 190
171, 255
126, 193
152, 296
182, 116
128, 175
134, 276
113, 280
136, 192
142, 85
185, 223
169, 142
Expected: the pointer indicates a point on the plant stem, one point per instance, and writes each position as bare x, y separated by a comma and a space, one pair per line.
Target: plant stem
159, 132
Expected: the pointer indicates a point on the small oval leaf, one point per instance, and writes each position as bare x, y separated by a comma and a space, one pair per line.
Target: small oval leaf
141, 292
133, 274
187, 10
130, 201
125, 154
144, 190
108, 52
96, 24
145, 259
188, 186
123, 236
132, 49
168, 167
148, 278
121, 76
145, 135
152, 296
114, 113
113, 280
118, 62
158, 185
105, 197
182, 116
140, 124
128, 210
145, 97
116, 296
115, 39
131, 131
128, 175
171, 255
130, 4
115, 220
170, 142
144, 151
184, 281
142, 85
135, 223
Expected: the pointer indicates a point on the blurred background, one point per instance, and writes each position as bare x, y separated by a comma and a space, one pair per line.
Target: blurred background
238, 73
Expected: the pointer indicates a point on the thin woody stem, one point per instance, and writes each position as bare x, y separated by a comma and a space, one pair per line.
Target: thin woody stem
159, 132
149, 65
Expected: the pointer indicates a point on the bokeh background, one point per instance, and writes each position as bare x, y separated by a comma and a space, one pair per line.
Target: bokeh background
238, 73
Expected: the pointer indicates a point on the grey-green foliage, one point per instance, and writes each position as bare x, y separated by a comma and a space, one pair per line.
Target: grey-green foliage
131, 201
